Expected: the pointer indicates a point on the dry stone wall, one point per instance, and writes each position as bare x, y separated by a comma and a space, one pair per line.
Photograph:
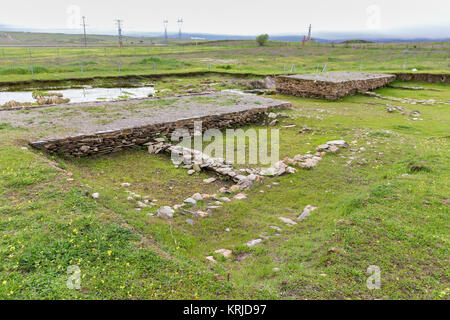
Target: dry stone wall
116, 140
423, 77
331, 90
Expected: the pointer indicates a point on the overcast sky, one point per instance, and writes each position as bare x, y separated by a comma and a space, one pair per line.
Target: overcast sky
244, 17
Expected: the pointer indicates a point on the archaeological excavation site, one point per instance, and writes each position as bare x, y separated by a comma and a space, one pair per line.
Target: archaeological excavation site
225, 169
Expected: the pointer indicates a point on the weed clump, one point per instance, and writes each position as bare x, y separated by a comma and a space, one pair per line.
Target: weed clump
225, 67
418, 167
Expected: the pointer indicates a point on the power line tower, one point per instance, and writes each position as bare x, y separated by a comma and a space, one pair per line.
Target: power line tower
180, 24
119, 30
309, 34
166, 22
84, 30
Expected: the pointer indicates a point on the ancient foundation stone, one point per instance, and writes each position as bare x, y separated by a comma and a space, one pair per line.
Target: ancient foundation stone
331, 85
103, 142
424, 77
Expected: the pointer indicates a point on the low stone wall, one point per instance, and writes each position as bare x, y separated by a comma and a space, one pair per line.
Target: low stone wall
423, 77
331, 90
116, 140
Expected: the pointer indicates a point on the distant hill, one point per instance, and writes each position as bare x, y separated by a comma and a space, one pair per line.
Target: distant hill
62, 39
10, 35
356, 41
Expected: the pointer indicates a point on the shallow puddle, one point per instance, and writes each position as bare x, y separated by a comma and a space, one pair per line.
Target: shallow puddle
83, 94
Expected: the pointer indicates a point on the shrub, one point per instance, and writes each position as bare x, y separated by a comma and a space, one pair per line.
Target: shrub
262, 39
226, 67
36, 69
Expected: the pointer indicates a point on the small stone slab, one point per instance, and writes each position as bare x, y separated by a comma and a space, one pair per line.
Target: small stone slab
225, 252
253, 242
288, 221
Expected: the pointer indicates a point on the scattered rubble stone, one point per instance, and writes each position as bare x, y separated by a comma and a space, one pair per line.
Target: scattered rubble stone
197, 197
225, 252
332, 146
402, 100
51, 98
240, 196
201, 214
305, 129
141, 204
338, 143
303, 161
206, 196
391, 109
276, 228
165, 212
287, 221
190, 201
217, 165
224, 190
415, 114
253, 242
11, 104
234, 188
306, 212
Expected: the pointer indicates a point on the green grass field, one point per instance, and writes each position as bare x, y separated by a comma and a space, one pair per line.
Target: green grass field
383, 201
16, 63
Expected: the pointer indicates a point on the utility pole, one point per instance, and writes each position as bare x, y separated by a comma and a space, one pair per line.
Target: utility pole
166, 22
84, 30
119, 30
180, 24
309, 34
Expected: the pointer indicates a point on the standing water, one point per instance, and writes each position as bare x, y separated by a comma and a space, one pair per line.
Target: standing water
82, 95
